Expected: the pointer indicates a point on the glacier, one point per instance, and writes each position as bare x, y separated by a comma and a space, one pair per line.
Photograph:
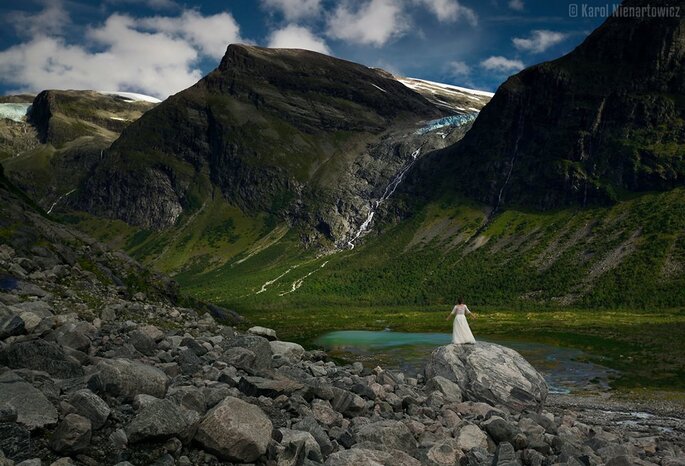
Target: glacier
448, 121
15, 112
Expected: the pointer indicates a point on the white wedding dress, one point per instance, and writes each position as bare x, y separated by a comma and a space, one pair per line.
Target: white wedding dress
461, 333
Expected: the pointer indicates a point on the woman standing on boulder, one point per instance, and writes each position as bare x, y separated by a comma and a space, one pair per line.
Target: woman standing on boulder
461, 333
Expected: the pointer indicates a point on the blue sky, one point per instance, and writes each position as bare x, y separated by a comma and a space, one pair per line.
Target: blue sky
160, 47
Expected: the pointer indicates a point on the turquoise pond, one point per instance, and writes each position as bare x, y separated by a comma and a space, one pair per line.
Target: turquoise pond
566, 370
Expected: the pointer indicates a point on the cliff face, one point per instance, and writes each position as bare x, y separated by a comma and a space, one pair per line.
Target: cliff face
301, 135
604, 119
61, 138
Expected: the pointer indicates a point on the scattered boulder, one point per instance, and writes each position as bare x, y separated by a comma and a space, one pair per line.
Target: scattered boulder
445, 452
347, 403
388, 434
309, 424
259, 386
449, 389
161, 419
91, 406
303, 443
242, 358
285, 352
142, 342
490, 373
267, 333
259, 346
11, 326
127, 378
33, 409
505, 455
470, 436
72, 435
235, 430
15, 442
500, 430
41, 355
365, 456
75, 335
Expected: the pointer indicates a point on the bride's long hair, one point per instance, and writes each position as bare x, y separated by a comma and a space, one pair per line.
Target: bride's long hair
460, 300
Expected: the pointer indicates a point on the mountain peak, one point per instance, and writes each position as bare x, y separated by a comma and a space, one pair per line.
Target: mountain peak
606, 118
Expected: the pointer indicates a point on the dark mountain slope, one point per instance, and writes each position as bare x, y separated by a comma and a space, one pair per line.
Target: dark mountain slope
61, 138
607, 118
272, 130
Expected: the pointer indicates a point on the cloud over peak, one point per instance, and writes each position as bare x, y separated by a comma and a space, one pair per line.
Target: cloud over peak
450, 10
539, 41
499, 64
297, 37
375, 22
156, 55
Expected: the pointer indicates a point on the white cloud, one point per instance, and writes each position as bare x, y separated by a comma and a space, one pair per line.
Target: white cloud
458, 69
294, 9
297, 37
375, 22
450, 10
51, 20
502, 64
539, 41
517, 5
211, 34
156, 55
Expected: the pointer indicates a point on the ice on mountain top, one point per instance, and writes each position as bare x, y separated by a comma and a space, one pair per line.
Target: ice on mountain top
133, 96
451, 121
14, 112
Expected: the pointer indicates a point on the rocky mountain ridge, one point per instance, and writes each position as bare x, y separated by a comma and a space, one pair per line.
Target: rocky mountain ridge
309, 138
61, 138
586, 128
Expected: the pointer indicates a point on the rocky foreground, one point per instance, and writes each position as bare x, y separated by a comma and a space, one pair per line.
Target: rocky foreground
147, 382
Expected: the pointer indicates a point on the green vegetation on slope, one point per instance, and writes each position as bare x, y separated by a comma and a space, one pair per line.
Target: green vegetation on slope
631, 255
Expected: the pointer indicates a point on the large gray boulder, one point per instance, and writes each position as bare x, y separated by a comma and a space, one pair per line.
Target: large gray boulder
235, 430
40, 355
382, 435
285, 352
303, 443
72, 435
258, 345
449, 389
91, 406
490, 373
127, 378
32, 407
367, 457
162, 419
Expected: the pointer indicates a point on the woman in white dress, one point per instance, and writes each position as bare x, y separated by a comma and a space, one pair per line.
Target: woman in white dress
461, 333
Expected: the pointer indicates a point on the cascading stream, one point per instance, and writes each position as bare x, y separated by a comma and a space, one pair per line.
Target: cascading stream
54, 204
389, 191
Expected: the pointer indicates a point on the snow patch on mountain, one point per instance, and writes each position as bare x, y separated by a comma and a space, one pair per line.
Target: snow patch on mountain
14, 112
447, 96
132, 96
414, 83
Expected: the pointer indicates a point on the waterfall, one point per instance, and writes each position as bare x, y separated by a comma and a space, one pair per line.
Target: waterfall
54, 204
389, 191
298, 283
